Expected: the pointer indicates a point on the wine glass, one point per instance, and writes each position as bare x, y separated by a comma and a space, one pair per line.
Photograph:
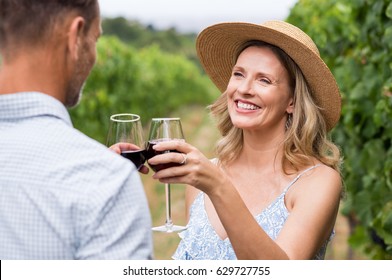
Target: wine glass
127, 128
165, 129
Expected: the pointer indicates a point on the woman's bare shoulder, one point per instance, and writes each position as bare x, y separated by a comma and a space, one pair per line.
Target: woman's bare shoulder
320, 184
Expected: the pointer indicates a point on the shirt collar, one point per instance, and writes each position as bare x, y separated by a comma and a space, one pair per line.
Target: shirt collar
32, 104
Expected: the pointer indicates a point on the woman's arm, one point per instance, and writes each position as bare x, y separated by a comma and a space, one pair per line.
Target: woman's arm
313, 202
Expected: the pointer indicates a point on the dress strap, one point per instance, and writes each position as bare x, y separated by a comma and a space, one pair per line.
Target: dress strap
299, 176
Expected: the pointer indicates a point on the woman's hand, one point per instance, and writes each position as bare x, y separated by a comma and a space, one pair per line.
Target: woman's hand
195, 169
122, 146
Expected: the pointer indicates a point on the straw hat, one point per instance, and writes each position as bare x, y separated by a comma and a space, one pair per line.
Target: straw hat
218, 47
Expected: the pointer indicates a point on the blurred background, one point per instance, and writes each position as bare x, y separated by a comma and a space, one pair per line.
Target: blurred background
147, 65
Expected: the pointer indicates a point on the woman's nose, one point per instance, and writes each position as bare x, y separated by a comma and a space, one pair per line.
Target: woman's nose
245, 87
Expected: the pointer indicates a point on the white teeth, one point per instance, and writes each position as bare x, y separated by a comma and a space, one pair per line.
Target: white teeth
247, 106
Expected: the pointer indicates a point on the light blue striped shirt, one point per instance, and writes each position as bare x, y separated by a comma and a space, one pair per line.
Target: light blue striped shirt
62, 194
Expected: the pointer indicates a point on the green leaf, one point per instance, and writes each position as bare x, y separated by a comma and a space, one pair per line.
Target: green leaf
388, 11
387, 38
386, 218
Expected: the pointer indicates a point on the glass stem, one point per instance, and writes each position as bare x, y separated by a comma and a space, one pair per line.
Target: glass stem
169, 222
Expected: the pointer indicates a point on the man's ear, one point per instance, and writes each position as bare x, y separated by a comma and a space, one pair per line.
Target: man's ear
76, 30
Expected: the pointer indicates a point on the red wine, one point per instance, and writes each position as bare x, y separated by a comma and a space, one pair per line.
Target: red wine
137, 157
150, 152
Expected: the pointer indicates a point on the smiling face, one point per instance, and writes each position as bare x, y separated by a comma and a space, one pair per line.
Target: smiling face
258, 94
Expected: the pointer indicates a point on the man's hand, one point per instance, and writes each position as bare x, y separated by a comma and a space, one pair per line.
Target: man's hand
122, 146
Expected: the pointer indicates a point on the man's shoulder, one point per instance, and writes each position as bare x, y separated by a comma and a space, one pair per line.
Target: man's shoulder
88, 149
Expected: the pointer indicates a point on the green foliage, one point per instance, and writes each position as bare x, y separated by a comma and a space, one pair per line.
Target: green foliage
147, 82
140, 36
355, 39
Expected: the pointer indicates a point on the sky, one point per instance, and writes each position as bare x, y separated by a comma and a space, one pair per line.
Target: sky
194, 15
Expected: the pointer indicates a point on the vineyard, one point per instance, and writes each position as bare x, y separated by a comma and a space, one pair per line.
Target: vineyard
354, 38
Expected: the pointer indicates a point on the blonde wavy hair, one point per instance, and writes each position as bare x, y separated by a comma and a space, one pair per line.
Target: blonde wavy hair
306, 136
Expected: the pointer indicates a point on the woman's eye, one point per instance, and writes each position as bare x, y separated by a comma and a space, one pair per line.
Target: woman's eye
266, 81
237, 74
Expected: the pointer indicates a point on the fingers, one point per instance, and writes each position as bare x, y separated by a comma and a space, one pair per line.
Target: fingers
169, 157
144, 169
122, 146
170, 175
179, 152
115, 148
128, 146
178, 145
185, 157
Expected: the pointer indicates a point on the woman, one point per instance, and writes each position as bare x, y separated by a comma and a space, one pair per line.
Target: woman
273, 191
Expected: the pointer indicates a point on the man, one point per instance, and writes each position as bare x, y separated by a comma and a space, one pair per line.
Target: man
62, 194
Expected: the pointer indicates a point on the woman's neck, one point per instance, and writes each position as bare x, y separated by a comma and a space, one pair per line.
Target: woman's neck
260, 152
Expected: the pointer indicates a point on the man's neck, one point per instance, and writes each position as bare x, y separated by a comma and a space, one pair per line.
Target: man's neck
33, 70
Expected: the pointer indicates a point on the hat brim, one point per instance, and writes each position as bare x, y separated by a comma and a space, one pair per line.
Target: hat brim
219, 45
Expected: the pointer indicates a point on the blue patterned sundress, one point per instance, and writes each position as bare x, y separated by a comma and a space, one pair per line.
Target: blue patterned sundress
201, 242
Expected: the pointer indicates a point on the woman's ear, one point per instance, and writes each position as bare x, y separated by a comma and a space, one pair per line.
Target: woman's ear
75, 36
290, 106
